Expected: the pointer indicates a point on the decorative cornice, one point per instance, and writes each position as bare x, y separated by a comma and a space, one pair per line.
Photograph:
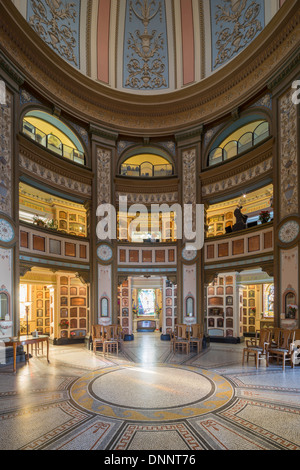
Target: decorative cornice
103, 133
189, 134
11, 71
213, 97
284, 71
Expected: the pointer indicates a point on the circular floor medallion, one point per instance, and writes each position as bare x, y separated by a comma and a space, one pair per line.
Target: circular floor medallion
151, 393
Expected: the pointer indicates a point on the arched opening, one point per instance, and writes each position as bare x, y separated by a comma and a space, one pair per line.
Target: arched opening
146, 165
236, 140
53, 134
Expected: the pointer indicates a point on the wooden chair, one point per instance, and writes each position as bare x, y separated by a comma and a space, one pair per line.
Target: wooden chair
258, 350
285, 349
97, 337
196, 337
181, 339
111, 342
120, 335
275, 337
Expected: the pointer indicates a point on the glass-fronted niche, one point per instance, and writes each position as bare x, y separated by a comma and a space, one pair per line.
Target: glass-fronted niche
238, 141
237, 306
52, 212
146, 227
54, 135
146, 166
255, 205
55, 304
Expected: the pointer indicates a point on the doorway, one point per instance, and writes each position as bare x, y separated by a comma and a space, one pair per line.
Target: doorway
54, 304
147, 304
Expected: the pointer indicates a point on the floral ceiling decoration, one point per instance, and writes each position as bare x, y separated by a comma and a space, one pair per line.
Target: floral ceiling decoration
57, 23
145, 48
235, 23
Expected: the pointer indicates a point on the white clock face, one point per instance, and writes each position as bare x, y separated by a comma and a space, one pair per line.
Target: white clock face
7, 233
104, 252
289, 232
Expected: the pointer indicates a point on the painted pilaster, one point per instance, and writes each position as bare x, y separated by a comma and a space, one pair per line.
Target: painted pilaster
10, 80
287, 220
105, 289
189, 261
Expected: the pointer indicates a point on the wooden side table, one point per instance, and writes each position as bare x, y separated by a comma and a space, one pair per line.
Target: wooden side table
26, 340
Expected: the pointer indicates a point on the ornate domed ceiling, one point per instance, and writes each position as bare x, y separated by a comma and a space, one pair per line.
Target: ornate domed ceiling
148, 46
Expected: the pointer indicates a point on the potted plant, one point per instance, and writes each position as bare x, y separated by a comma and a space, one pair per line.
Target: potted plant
134, 310
292, 310
157, 310
264, 217
52, 224
64, 324
38, 221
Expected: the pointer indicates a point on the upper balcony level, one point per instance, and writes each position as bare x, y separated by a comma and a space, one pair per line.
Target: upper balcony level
239, 142
54, 135
146, 163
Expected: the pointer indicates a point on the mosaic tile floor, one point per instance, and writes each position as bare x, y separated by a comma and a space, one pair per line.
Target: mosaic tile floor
148, 398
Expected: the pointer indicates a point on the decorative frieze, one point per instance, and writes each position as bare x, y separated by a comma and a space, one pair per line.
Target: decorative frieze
6, 155
53, 177
103, 176
238, 179
189, 176
158, 198
58, 25
289, 180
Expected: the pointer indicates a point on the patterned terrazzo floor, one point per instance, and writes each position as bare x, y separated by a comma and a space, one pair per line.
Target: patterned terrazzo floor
148, 398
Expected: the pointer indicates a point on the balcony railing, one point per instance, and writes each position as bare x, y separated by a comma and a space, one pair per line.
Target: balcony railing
53, 143
236, 147
146, 170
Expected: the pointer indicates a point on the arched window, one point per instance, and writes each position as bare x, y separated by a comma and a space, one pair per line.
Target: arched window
146, 165
104, 307
189, 306
238, 140
53, 134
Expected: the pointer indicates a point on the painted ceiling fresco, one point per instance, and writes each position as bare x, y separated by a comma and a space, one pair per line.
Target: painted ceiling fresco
148, 46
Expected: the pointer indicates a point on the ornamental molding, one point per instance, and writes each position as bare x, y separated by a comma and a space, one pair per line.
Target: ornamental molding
11, 70
104, 252
240, 164
225, 89
55, 164
62, 181
153, 188
289, 231
7, 233
258, 171
162, 197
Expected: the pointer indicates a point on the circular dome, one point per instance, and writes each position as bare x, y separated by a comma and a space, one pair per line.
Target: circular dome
147, 47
